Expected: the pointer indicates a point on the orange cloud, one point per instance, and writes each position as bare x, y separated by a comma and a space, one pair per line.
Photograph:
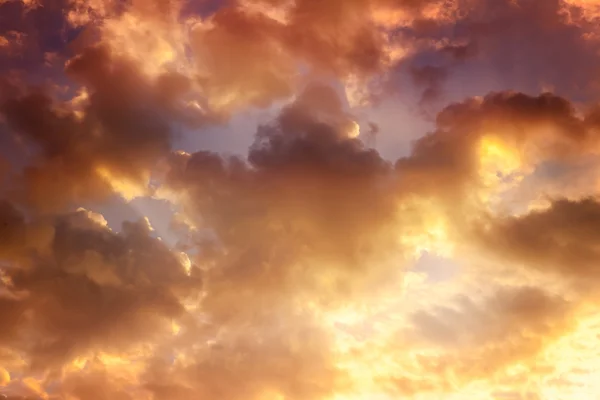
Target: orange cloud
310, 268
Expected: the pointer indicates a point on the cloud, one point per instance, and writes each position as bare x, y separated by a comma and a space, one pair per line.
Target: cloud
277, 260
288, 358
431, 78
84, 149
304, 275
481, 47
482, 144
274, 41
87, 287
476, 340
308, 197
306, 224
559, 239
312, 222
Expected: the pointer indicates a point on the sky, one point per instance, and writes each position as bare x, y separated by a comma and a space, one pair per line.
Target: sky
299, 199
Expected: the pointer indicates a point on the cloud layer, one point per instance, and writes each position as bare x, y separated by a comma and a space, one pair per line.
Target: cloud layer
310, 267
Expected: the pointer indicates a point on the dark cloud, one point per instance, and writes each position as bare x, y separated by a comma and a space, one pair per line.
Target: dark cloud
561, 239
87, 287
31, 31
121, 129
461, 52
537, 128
432, 78
488, 35
307, 197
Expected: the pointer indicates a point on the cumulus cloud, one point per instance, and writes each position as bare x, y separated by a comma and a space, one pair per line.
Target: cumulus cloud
78, 286
309, 203
83, 147
489, 144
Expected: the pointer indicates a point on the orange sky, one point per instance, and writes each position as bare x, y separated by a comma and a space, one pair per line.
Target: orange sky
299, 199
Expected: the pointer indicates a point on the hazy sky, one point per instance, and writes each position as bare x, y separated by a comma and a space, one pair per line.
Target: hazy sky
299, 199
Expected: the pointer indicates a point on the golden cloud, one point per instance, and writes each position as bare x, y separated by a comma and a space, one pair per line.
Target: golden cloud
311, 267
